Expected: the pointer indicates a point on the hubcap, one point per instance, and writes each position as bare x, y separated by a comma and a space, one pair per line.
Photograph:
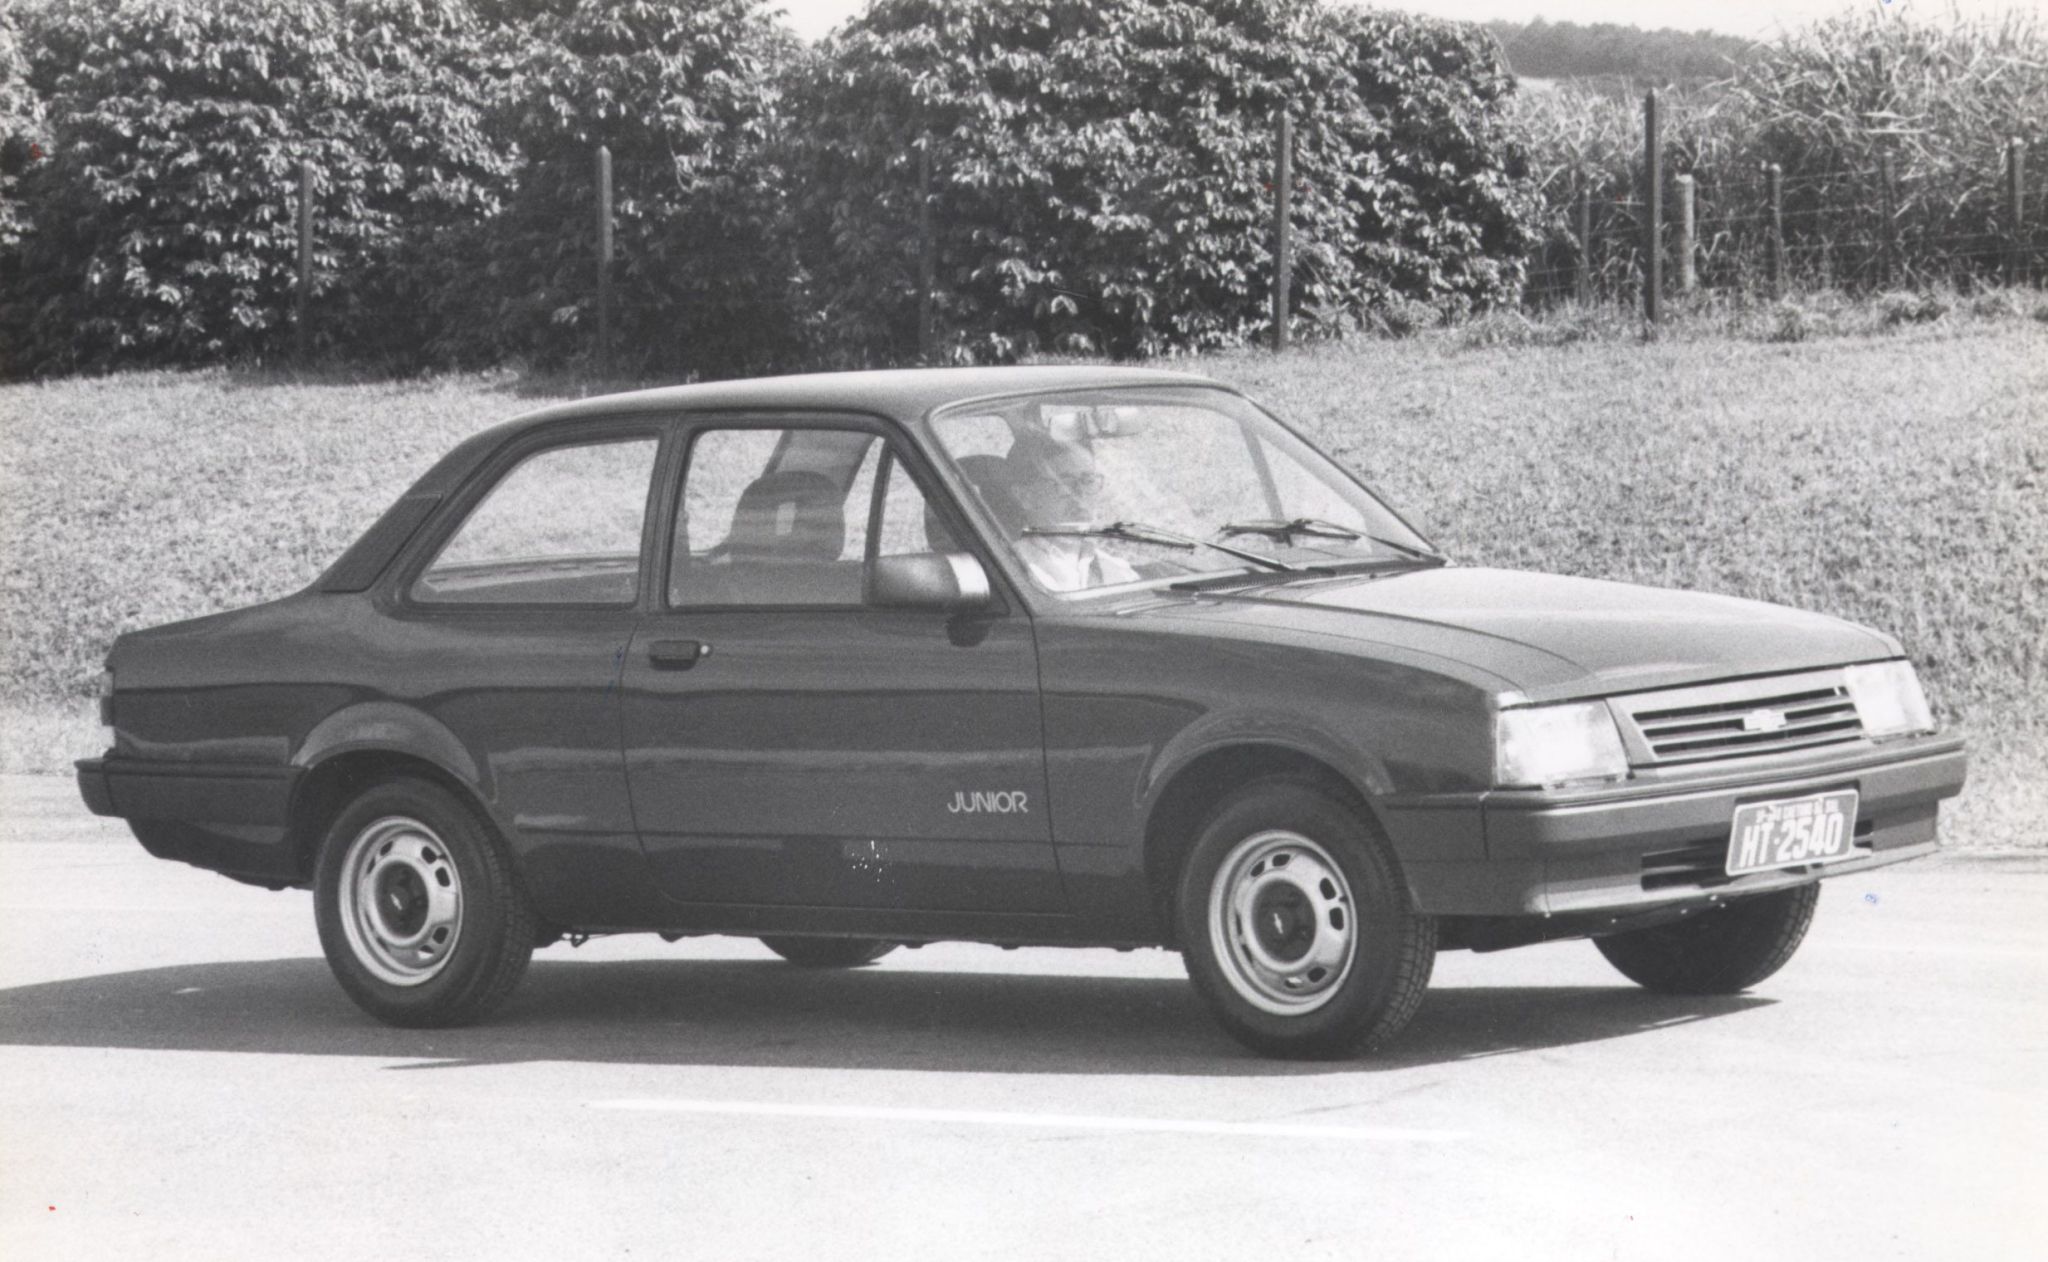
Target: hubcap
401, 901
1281, 917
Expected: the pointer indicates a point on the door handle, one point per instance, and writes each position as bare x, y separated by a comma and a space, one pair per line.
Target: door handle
676, 654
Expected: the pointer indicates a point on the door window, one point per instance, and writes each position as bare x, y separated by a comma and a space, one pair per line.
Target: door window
563, 527
781, 516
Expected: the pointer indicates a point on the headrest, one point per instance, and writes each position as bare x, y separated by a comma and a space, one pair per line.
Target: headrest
789, 516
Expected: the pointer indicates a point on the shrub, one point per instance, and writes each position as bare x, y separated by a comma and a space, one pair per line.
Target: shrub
23, 143
1100, 172
684, 96
166, 210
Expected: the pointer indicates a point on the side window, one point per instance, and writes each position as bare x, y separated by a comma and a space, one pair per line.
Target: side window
773, 517
563, 527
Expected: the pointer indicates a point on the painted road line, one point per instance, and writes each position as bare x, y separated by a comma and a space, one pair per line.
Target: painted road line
1041, 1121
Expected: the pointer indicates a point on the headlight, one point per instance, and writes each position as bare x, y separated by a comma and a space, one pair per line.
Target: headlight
1557, 744
1888, 699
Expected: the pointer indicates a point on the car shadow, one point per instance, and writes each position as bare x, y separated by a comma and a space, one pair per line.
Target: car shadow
769, 1015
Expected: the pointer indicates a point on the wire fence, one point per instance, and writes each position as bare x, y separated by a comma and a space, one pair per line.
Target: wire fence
1974, 220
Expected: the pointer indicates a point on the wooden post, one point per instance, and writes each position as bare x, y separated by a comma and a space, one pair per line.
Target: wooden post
604, 262
1653, 219
1283, 206
1889, 207
2016, 209
1775, 181
1688, 236
927, 266
302, 332
1585, 241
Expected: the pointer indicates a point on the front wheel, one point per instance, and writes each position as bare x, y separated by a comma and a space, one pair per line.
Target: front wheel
1295, 927
418, 912
829, 952
1719, 952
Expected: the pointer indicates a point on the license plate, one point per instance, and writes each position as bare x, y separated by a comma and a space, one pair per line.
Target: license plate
1792, 832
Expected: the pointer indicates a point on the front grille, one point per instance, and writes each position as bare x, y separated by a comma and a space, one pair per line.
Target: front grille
1737, 721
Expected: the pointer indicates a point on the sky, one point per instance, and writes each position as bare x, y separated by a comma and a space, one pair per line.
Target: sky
1754, 18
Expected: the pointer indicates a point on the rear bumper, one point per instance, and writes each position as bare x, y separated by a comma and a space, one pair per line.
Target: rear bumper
230, 817
1640, 847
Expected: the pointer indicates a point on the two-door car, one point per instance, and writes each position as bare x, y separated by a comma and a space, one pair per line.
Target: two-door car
1052, 655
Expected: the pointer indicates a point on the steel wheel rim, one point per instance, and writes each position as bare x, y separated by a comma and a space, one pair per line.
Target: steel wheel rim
401, 901
1282, 919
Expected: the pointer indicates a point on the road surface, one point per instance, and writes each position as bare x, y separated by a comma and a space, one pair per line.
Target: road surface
183, 1080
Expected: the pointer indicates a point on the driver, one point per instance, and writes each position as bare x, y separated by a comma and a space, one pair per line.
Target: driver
1058, 484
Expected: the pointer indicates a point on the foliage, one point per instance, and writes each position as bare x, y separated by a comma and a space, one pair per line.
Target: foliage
684, 96
22, 141
1099, 172
1828, 104
1543, 49
1450, 219
165, 210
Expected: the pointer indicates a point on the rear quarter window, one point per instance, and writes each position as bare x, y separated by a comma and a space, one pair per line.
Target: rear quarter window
563, 527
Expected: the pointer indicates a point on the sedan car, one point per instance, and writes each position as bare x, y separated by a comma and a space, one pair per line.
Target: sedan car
1057, 655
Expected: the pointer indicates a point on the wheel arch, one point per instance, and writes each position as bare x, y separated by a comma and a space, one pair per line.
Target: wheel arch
1193, 790
331, 784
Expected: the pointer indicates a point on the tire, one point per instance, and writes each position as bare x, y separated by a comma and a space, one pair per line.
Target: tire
829, 952
419, 913
1720, 952
1295, 925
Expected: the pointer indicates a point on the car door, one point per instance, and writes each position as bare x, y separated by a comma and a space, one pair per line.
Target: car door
511, 629
788, 744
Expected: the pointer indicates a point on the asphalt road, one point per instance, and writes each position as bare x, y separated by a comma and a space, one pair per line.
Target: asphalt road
180, 1078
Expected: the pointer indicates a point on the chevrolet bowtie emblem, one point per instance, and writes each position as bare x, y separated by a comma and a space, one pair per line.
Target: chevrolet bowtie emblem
1763, 721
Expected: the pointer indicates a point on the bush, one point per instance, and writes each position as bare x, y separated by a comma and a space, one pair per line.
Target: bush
684, 96
165, 211
1100, 172
22, 145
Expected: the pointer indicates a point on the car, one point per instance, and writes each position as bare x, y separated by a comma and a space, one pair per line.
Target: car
1054, 655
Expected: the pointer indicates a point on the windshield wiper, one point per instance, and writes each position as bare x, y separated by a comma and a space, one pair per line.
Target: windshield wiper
1139, 532
1318, 528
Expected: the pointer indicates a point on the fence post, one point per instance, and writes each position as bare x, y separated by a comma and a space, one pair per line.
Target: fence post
1775, 181
1585, 240
1890, 208
604, 261
2016, 203
1688, 236
302, 333
927, 267
1283, 205
1653, 220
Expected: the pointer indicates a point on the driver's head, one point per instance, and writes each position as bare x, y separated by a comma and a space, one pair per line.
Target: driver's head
1055, 481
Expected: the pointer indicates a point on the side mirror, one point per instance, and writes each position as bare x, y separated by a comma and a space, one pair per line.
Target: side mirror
949, 582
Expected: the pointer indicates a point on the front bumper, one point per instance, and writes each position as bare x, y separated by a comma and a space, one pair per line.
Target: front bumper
1651, 844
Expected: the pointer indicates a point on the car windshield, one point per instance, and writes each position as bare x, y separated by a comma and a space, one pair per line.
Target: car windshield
1102, 488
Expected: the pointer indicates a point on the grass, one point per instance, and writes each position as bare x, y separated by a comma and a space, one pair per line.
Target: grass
1898, 477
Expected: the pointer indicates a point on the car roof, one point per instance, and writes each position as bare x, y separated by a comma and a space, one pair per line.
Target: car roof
900, 393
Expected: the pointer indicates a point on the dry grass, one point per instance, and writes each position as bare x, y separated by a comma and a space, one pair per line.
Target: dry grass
1898, 479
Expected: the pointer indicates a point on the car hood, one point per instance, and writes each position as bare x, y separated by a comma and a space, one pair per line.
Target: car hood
1550, 636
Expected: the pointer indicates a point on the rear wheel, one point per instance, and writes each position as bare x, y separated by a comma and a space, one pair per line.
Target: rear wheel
1295, 926
1719, 952
417, 908
829, 952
